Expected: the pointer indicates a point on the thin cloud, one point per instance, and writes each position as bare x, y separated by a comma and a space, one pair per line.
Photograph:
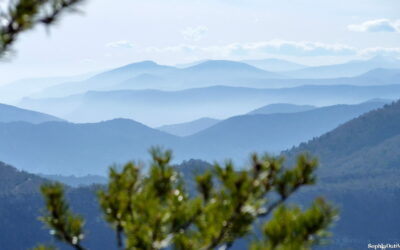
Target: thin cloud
381, 51
273, 47
125, 44
194, 33
378, 25
304, 48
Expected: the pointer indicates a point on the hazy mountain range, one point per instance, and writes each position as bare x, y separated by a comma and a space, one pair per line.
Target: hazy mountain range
267, 73
244, 119
359, 170
275, 65
192, 127
80, 149
239, 136
156, 108
259, 105
348, 69
150, 75
14, 91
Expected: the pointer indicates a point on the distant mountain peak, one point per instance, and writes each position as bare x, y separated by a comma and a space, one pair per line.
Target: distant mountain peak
379, 100
122, 121
275, 64
142, 64
271, 60
281, 108
123, 73
136, 66
348, 69
381, 73
223, 64
383, 58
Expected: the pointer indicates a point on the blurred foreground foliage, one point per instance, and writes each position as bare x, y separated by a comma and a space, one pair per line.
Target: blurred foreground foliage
18, 16
155, 211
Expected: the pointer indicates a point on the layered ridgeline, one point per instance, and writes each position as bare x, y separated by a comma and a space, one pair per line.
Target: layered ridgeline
77, 149
261, 74
275, 65
81, 149
157, 108
239, 136
10, 113
148, 74
268, 64
348, 69
14, 91
193, 127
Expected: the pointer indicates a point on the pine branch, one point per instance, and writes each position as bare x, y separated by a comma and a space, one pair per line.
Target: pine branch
24, 15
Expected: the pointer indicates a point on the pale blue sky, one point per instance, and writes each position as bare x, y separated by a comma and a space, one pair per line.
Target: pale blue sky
113, 33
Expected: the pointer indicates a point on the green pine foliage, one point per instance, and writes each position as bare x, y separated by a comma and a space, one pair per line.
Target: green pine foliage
64, 225
291, 228
156, 211
42, 247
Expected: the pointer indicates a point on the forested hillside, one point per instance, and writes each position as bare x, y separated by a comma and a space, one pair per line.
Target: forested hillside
360, 166
21, 205
366, 147
15, 182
